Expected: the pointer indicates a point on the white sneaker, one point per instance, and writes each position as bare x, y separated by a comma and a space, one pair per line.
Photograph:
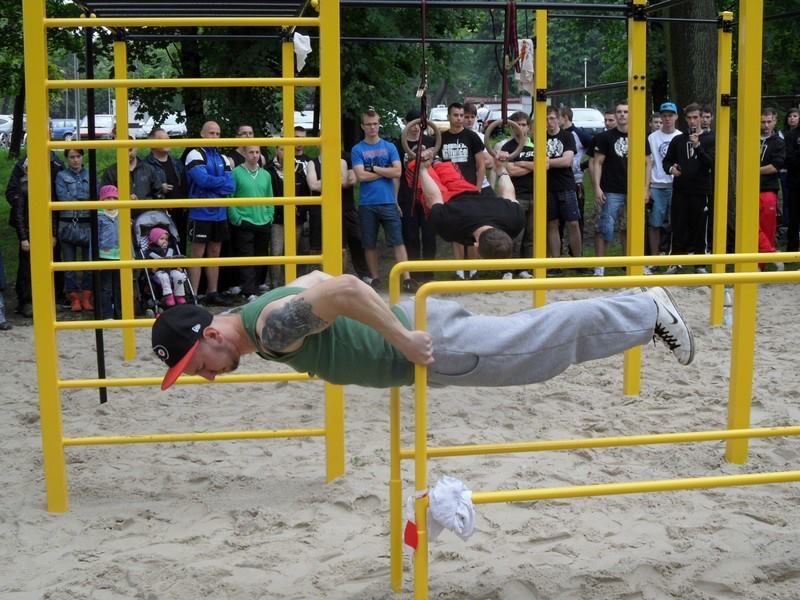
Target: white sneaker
473, 274
670, 327
779, 266
673, 269
251, 297
701, 270
525, 275
460, 275
648, 270
233, 291
264, 287
599, 271
508, 275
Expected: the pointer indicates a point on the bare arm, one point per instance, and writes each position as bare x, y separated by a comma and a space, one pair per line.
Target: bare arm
480, 166
505, 188
348, 177
648, 172
314, 183
431, 191
599, 196
565, 160
285, 323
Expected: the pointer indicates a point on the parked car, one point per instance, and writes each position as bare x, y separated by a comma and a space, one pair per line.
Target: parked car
173, 128
6, 126
140, 130
496, 113
103, 127
439, 117
589, 119
63, 129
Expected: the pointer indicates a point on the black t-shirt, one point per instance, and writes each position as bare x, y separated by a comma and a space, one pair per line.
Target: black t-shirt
523, 185
613, 144
560, 179
461, 148
404, 196
456, 220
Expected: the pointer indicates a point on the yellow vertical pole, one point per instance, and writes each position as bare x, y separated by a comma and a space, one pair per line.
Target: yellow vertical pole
722, 120
289, 212
540, 155
395, 493
124, 188
331, 208
421, 463
748, 130
637, 107
55, 472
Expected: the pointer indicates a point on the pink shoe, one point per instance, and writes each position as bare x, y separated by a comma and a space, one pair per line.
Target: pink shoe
180, 299
169, 300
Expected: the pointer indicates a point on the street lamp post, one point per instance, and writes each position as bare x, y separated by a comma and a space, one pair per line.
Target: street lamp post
585, 81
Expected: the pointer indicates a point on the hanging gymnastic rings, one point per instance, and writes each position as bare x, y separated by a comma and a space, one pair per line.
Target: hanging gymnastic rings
518, 135
437, 136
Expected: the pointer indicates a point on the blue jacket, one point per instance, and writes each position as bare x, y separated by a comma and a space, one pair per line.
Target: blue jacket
209, 175
72, 186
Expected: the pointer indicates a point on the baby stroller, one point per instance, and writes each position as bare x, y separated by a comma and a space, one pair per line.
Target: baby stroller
148, 287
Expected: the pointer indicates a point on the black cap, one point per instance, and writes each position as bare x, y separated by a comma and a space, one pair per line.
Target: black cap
176, 336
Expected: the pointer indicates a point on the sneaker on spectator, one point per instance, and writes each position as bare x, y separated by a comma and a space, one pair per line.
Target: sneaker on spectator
216, 299
671, 329
524, 275
701, 269
264, 287
508, 275
233, 291
648, 270
460, 275
779, 266
251, 297
674, 269
473, 274
410, 286
599, 271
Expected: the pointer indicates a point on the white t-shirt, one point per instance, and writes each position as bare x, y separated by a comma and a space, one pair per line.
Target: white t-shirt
657, 144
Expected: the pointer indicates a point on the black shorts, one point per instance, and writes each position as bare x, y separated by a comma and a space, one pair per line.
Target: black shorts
209, 231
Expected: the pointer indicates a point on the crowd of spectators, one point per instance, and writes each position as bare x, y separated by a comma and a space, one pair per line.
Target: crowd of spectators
678, 198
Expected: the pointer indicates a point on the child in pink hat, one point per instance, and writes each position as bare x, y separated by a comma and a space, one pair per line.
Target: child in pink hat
172, 289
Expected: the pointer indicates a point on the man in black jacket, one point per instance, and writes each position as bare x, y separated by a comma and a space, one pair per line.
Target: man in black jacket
792, 164
690, 161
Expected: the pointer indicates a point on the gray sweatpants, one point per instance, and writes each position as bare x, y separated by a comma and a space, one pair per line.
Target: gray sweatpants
532, 345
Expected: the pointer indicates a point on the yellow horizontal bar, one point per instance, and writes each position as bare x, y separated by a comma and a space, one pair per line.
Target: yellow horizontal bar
184, 142
638, 487
621, 281
607, 442
593, 261
185, 379
185, 82
218, 436
152, 263
184, 203
184, 22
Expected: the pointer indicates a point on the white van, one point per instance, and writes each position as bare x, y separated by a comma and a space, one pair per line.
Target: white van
589, 119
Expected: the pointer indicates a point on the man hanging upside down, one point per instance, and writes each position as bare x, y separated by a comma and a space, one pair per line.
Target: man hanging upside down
339, 329
460, 213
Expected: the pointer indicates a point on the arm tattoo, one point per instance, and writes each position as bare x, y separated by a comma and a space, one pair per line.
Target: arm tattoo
288, 324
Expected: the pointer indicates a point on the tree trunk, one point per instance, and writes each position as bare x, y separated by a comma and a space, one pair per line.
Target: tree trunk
19, 111
192, 97
692, 52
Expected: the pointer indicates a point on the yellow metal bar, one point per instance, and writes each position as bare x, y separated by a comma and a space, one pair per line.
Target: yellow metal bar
334, 431
289, 220
608, 442
638, 487
637, 134
330, 99
66, 23
182, 262
539, 211
185, 82
182, 142
185, 379
124, 190
188, 202
421, 458
722, 132
395, 493
206, 436
41, 233
747, 188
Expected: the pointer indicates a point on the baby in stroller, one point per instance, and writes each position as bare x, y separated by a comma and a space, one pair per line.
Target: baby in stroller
171, 280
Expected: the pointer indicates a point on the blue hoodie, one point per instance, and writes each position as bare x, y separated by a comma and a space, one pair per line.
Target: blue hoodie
209, 176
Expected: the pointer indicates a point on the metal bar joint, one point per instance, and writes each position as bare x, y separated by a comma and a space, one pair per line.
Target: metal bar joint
541, 94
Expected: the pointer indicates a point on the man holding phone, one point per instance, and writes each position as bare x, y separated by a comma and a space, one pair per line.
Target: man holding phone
690, 161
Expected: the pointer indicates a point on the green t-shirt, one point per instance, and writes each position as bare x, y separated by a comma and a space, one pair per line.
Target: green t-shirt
251, 185
347, 352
